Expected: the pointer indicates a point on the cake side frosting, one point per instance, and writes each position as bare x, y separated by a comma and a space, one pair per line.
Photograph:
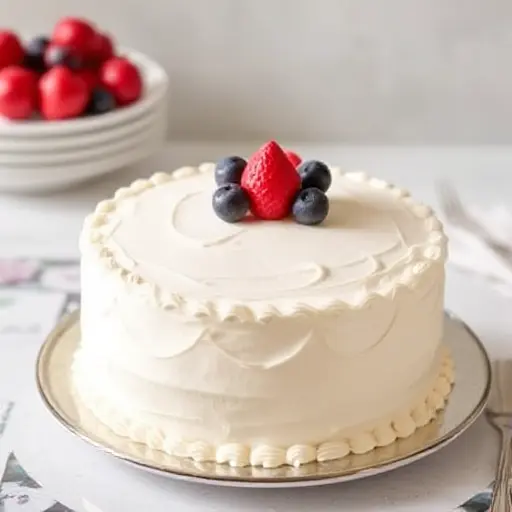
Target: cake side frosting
351, 358
400, 424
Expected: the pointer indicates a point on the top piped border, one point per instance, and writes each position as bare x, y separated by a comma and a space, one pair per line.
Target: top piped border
434, 251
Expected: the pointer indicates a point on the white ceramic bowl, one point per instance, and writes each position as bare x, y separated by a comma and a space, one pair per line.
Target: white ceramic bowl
51, 155
28, 149
91, 152
58, 177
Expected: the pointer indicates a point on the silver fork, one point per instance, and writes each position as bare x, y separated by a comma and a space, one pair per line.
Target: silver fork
457, 214
499, 414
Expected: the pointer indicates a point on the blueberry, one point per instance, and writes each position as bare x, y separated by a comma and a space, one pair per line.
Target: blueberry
315, 174
229, 170
34, 53
100, 102
62, 56
37, 45
311, 206
230, 202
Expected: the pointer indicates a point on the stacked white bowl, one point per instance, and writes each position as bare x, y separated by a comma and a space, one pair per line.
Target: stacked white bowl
51, 155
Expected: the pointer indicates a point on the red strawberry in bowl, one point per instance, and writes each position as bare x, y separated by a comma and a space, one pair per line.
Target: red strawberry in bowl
271, 182
102, 49
11, 51
63, 94
89, 76
74, 33
122, 79
18, 92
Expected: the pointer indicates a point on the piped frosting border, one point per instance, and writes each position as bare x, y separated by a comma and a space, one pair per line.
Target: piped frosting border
401, 425
433, 251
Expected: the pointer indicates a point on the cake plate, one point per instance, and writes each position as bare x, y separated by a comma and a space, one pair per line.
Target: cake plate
466, 402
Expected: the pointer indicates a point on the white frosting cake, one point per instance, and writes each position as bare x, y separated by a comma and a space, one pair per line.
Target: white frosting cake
262, 343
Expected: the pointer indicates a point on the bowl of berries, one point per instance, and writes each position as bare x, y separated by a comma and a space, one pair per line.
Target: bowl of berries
75, 105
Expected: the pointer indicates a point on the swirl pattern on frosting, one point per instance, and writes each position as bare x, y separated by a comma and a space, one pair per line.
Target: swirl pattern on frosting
225, 234
235, 341
279, 341
369, 334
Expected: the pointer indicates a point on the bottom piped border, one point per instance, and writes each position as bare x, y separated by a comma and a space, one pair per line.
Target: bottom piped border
238, 455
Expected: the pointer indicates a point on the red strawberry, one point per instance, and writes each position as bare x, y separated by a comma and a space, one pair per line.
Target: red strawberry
122, 79
102, 49
75, 33
63, 94
271, 182
18, 92
89, 76
294, 158
11, 51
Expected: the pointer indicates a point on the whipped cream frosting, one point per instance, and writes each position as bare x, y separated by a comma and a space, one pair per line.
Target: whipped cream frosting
375, 434
170, 235
249, 341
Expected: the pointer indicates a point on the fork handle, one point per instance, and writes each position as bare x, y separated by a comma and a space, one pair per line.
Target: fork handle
501, 500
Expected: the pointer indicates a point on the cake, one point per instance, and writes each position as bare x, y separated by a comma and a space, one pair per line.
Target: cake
263, 339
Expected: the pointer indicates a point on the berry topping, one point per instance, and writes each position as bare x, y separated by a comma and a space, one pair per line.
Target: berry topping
271, 182
122, 79
62, 94
74, 33
89, 77
11, 51
100, 102
102, 49
315, 174
18, 92
295, 159
311, 206
230, 202
100, 81
62, 56
35, 52
229, 170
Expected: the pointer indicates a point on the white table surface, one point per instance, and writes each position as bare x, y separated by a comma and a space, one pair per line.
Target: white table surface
90, 481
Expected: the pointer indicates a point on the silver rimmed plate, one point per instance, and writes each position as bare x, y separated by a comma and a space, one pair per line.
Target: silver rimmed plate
466, 403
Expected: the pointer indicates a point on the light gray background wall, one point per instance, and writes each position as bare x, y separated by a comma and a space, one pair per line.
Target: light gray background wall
359, 71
